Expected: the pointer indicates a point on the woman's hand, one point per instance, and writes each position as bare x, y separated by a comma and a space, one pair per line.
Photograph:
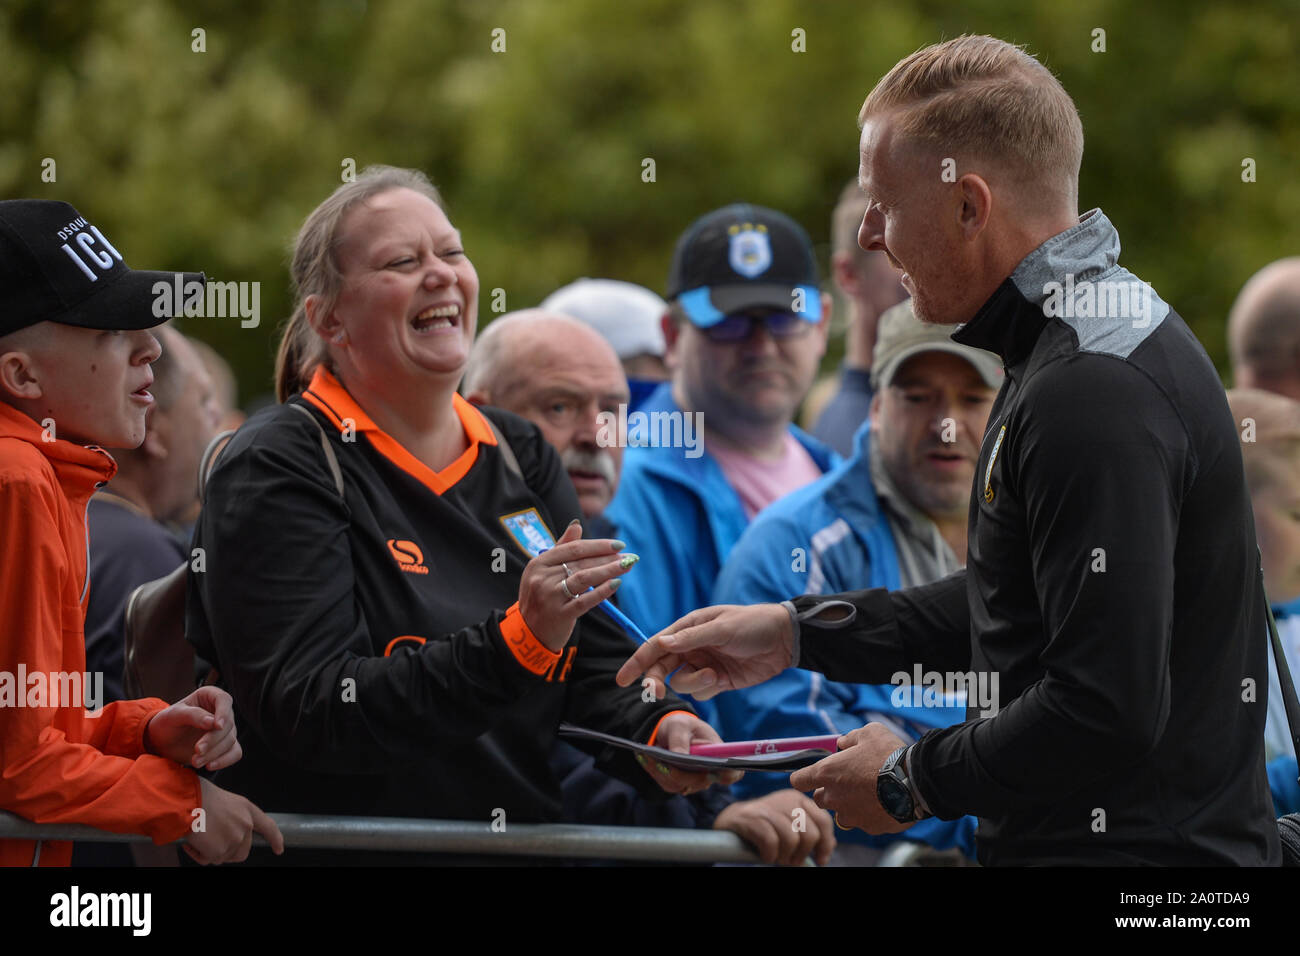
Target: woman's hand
676, 732
553, 592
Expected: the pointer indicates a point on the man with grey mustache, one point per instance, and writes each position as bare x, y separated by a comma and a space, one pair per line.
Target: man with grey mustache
560, 375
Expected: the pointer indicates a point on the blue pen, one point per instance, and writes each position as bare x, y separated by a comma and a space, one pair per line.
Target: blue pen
622, 620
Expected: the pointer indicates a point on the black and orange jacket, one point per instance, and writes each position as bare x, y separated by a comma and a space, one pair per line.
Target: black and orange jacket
57, 763
373, 643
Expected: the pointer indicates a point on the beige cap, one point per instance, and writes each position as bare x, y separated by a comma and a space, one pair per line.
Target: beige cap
901, 335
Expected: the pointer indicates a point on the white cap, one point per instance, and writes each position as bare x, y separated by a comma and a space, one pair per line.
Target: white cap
625, 314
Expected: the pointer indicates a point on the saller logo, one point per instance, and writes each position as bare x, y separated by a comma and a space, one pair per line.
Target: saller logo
409, 556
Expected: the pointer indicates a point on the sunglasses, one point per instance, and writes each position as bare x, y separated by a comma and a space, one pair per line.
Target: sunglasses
740, 326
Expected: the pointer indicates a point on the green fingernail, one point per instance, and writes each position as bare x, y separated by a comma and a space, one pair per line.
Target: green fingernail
628, 560
640, 758
662, 769
618, 545
613, 585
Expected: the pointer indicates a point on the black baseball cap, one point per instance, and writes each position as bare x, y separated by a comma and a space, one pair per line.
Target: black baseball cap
57, 267
743, 257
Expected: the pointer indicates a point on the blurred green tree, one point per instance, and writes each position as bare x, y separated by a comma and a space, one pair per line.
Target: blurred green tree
210, 160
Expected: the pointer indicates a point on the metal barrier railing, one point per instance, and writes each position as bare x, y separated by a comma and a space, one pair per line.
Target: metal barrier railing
551, 840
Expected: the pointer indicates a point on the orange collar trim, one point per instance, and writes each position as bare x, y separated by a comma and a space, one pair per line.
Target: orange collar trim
328, 394
79, 468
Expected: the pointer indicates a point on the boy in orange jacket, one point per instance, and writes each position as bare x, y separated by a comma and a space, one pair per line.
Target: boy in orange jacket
74, 375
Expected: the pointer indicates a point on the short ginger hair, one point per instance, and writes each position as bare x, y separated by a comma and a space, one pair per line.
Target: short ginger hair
983, 97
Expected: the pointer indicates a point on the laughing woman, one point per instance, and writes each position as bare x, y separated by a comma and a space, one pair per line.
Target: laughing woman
373, 594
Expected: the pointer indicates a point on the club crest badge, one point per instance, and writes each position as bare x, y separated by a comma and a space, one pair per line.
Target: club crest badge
529, 531
750, 252
988, 472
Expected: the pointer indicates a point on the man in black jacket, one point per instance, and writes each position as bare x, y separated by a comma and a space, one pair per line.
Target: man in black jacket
1111, 598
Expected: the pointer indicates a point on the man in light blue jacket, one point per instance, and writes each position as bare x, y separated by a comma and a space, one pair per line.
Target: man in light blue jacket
894, 515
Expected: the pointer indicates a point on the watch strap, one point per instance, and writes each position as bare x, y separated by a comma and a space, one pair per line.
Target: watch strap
922, 808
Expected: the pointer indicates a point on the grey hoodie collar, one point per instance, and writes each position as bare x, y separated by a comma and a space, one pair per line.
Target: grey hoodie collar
1086, 250
1075, 278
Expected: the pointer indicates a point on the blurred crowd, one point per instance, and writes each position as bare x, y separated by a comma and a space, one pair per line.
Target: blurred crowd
404, 574
871, 491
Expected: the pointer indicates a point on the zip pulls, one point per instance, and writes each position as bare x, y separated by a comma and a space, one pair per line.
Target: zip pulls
987, 432
85, 523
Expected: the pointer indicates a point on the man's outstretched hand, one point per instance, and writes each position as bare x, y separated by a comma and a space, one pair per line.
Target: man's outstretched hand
715, 649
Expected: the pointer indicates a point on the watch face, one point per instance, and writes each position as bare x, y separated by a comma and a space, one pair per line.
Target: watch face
895, 798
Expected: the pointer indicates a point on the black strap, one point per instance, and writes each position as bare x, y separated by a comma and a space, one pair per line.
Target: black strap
215, 447
209, 459
507, 452
330, 458
1283, 672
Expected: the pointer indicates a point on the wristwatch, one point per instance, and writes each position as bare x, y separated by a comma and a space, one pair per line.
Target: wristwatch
895, 790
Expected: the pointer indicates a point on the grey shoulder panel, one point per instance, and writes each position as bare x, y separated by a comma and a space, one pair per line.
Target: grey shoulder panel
1076, 277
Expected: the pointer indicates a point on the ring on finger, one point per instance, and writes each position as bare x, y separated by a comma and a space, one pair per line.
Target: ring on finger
565, 585
567, 572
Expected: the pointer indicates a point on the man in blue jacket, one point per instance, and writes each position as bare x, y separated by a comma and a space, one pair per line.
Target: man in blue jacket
894, 515
707, 451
